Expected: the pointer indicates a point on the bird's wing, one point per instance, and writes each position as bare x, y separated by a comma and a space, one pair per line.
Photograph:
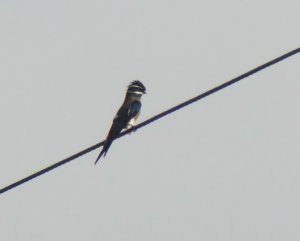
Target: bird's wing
134, 109
124, 115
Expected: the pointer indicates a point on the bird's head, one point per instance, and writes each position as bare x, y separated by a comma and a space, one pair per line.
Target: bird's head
136, 87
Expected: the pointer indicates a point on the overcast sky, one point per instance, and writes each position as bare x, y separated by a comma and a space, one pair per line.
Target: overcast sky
226, 168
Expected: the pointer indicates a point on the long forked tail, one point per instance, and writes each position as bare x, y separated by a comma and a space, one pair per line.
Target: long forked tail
104, 150
115, 129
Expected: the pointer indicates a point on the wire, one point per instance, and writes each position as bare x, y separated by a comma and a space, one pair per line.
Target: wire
154, 118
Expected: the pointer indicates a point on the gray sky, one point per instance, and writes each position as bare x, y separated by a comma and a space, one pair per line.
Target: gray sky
224, 169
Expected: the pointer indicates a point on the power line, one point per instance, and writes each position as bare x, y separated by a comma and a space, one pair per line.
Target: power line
154, 118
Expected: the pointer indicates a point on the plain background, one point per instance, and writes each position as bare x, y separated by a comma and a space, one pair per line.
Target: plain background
223, 169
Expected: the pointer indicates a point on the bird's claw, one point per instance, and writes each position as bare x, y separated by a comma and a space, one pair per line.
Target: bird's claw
129, 127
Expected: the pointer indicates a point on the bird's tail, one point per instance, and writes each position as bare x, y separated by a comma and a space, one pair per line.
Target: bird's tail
104, 150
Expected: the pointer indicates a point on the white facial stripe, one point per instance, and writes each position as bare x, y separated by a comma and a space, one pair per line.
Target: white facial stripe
135, 86
135, 92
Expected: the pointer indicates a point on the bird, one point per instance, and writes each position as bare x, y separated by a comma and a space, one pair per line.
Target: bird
126, 115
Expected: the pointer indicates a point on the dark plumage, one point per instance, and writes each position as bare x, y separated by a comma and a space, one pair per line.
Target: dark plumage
126, 115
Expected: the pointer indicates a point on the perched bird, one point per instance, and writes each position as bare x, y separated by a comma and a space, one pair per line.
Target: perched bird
126, 115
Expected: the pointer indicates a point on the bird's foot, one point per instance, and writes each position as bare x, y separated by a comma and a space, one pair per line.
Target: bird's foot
130, 126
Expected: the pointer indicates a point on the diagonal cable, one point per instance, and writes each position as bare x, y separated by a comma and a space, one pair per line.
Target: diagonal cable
152, 119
